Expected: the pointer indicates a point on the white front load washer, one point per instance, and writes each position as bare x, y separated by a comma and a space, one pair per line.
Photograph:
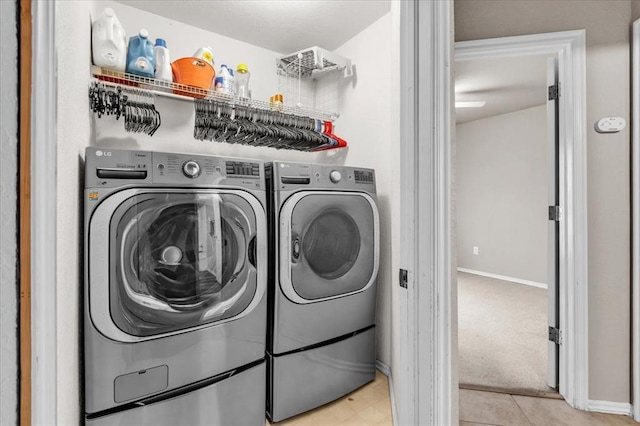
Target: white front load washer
175, 289
322, 284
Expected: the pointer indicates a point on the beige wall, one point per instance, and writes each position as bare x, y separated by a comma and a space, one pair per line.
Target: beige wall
635, 9
501, 178
607, 30
359, 108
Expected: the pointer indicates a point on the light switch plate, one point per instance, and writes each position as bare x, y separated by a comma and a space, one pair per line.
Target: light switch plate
610, 125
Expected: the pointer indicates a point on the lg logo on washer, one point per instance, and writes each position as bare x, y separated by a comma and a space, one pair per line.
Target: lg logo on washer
100, 154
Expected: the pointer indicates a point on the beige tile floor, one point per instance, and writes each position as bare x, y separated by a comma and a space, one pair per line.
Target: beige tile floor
499, 409
370, 406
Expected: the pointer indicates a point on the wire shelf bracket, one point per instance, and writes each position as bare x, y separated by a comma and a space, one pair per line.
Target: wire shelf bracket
314, 61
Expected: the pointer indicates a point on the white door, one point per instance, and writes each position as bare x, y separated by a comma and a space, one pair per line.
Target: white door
554, 217
635, 120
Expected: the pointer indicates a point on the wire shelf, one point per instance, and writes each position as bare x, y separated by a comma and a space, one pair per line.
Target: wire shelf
185, 92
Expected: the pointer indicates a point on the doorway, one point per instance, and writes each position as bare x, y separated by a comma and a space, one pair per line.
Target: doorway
569, 49
505, 180
428, 310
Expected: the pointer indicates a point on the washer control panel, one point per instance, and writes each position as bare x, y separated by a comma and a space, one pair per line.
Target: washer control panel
112, 168
335, 176
205, 170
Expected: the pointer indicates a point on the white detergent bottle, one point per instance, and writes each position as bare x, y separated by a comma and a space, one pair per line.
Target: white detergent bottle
109, 42
224, 80
163, 61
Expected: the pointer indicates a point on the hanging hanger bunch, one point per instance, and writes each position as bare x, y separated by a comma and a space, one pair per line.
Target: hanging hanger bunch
137, 106
140, 114
105, 100
224, 122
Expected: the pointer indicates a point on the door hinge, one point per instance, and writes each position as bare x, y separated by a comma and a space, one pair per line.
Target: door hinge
404, 278
555, 336
554, 92
555, 213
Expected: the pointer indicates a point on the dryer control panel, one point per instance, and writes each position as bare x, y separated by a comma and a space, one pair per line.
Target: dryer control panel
291, 176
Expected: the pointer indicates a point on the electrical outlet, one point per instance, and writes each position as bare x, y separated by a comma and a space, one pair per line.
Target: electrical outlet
476, 251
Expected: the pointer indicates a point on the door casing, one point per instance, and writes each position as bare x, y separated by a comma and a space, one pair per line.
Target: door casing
41, 85
635, 158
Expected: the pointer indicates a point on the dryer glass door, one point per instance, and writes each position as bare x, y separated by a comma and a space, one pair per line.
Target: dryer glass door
332, 244
181, 260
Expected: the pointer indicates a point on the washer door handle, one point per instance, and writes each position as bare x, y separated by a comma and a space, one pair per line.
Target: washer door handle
295, 249
252, 252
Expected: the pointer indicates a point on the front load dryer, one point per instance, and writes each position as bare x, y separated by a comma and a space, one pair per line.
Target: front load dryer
175, 289
322, 284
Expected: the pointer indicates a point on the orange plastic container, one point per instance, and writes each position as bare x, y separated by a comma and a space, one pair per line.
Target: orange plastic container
193, 72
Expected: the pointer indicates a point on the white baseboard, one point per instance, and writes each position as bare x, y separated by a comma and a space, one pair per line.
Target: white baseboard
621, 408
384, 368
504, 278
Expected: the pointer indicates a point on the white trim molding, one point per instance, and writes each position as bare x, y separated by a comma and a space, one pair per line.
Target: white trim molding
504, 278
394, 409
404, 363
608, 407
635, 159
384, 368
569, 48
44, 143
423, 377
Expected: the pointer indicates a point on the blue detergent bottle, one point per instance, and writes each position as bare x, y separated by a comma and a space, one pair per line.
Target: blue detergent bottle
140, 55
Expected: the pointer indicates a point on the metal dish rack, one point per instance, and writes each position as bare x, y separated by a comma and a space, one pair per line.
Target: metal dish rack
311, 78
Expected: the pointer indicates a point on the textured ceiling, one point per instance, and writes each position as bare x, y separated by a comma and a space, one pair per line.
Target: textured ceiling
284, 26
505, 84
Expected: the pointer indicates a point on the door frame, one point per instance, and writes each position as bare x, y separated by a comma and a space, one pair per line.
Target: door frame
42, 224
569, 47
635, 236
424, 383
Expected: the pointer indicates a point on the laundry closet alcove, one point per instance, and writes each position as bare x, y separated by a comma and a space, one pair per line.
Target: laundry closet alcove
366, 110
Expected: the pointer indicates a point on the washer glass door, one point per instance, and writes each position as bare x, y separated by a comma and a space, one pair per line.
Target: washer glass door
180, 260
332, 244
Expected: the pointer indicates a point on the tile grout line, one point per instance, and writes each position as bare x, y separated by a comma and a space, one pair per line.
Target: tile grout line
479, 423
521, 410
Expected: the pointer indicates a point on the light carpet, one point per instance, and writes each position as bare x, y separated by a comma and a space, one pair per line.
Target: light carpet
502, 334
